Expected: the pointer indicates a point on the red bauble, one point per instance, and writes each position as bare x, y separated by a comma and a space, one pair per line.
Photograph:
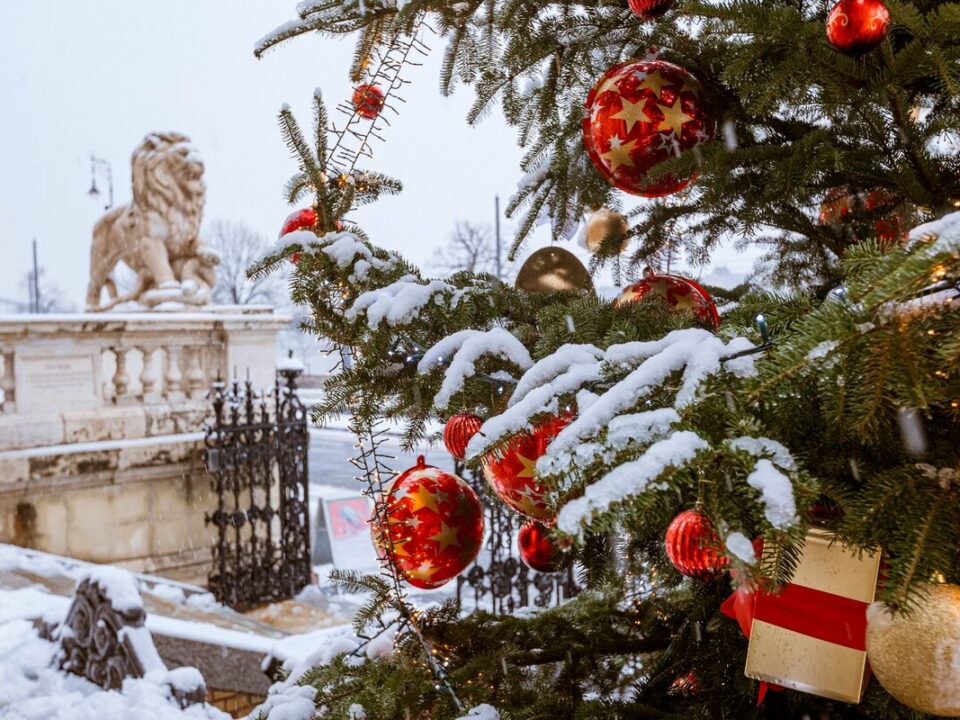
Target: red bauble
855, 27
693, 545
295, 258
511, 471
458, 431
891, 226
305, 219
433, 526
538, 550
650, 9
368, 100
680, 292
639, 114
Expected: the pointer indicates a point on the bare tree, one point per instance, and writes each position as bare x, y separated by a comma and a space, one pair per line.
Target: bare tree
239, 247
469, 247
51, 297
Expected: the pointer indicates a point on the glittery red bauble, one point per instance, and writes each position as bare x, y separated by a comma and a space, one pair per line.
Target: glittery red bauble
890, 224
511, 471
458, 431
305, 219
639, 114
368, 100
693, 545
680, 292
650, 9
538, 550
432, 526
855, 27
295, 258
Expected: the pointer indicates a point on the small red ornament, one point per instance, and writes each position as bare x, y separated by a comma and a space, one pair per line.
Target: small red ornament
433, 526
855, 27
650, 9
511, 471
368, 100
304, 219
639, 114
295, 258
692, 545
458, 431
680, 292
538, 550
890, 224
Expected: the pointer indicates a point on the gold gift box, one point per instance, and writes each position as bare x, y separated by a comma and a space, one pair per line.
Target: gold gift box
791, 659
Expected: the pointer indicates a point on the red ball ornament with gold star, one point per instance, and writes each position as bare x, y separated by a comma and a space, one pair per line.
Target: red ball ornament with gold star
855, 27
693, 546
639, 114
458, 431
368, 100
430, 527
682, 293
538, 550
650, 9
511, 471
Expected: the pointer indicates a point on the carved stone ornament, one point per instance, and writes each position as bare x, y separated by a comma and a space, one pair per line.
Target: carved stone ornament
157, 234
106, 645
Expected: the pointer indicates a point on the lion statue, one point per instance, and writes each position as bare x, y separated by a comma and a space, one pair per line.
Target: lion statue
156, 235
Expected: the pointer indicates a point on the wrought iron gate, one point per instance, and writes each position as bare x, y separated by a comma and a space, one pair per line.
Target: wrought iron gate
501, 580
257, 458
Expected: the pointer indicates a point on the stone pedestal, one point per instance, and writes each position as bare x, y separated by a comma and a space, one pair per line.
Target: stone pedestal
101, 443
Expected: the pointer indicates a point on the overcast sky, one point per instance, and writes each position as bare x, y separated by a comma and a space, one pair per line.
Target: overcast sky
96, 76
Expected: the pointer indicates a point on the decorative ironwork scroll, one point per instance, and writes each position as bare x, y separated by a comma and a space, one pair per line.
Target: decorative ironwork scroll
499, 578
257, 458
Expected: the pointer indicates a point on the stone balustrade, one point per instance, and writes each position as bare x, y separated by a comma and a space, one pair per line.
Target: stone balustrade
104, 376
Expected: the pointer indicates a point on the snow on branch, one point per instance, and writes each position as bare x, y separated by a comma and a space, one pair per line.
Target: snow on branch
460, 353
776, 494
698, 353
631, 478
553, 365
401, 302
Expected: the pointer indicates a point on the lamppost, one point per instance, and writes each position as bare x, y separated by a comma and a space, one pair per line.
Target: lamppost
98, 164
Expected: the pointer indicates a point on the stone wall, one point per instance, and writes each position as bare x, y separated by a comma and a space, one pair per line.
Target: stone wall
101, 442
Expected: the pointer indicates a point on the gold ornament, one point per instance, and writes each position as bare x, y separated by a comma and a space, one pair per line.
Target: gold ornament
605, 223
552, 268
916, 658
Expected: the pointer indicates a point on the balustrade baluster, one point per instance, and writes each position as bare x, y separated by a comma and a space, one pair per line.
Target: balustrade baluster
8, 383
121, 381
196, 377
173, 379
149, 376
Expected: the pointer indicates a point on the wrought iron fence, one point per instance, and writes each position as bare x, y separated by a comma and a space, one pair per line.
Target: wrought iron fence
499, 580
257, 457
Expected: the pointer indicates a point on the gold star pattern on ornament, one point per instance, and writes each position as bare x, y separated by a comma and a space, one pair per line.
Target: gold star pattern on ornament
425, 572
631, 112
529, 466
656, 82
423, 498
609, 83
619, 154
667, 291
398, 548
673, 117
446, 537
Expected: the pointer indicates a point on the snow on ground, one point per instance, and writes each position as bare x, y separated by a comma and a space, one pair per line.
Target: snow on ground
31, 689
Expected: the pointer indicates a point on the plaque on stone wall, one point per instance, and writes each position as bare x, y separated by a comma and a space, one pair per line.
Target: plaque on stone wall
55, 383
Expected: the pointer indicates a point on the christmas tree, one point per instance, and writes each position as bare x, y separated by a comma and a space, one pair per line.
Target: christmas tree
768, 470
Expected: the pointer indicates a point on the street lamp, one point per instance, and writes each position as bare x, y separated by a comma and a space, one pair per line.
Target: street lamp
94, 192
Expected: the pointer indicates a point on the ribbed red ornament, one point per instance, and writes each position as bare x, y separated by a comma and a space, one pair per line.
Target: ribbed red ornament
693, 545
650, 9
855, 27
680, 292
433, 527
457, 433
304, 219
368, 100
538, 550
